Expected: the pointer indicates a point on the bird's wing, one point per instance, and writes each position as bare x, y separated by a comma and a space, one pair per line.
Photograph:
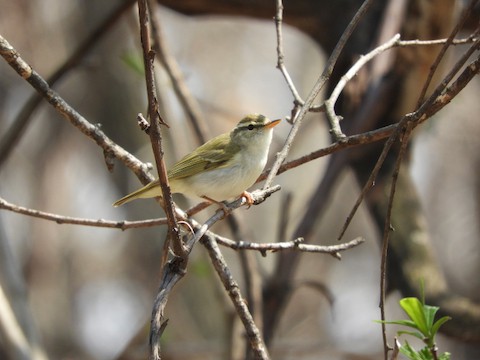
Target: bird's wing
209, 156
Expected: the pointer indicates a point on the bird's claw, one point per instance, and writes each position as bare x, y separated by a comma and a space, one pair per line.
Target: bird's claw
248, 197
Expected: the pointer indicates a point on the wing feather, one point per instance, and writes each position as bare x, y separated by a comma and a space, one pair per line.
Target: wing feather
209, 156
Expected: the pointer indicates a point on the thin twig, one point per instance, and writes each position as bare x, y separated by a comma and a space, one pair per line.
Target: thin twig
347, 143
296, 244
463, 41
157, 323
154, 129
319, 84
125, 225
258, 197
433, 68
288, 261
61, 219
404, 138
190, 105
173, 272
432, 105
330, 102
252, 278
280, 55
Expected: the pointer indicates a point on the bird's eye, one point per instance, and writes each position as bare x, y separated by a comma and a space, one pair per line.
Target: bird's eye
250, 127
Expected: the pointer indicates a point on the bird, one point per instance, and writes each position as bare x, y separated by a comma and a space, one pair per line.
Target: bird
221, 169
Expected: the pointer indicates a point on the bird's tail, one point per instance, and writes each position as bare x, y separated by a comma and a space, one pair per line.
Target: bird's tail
148, 191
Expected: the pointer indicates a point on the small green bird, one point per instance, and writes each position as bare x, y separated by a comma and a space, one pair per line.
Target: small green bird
222, 168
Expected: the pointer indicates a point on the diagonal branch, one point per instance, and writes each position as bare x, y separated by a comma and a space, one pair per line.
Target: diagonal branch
253, 334
466, 13
24, 117
13, 58
319, 84
287, 262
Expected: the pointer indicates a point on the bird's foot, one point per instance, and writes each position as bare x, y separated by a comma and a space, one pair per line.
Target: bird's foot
222, 205
248, 197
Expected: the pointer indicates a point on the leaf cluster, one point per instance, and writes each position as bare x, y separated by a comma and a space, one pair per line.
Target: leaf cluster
424, 327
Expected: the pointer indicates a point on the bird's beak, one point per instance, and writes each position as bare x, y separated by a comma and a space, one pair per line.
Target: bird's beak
273, 123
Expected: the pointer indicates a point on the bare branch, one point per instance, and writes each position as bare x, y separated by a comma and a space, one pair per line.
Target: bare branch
231, 287
154, 129
431, 106
24, 117
464, 41
190, 105
320, 83
386, 233
280, 55
14, 59
466, 13
333, 118
173, 272
258, 197
61, 219
296, 244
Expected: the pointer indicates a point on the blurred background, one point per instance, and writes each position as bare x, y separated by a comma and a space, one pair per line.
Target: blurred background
87, 293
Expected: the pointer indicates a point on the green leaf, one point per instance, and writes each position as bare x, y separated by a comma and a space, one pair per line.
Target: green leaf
411, 353
415, 311
422, 318
429, 312
408, 323
412, 333
426, 354
439, 323
444, 356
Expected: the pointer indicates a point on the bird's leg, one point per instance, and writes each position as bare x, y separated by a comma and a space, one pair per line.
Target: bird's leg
197, 208
247, 197
224, 207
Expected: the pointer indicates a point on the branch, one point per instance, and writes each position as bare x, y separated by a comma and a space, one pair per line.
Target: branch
231, 287
190, 105
466, 13
441, 96
61, 219
333, 118
346, 143
280, 56
154, 130
320, 83
173, 272
24, 117
296, 244
387, 228
13, 58
258, 197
